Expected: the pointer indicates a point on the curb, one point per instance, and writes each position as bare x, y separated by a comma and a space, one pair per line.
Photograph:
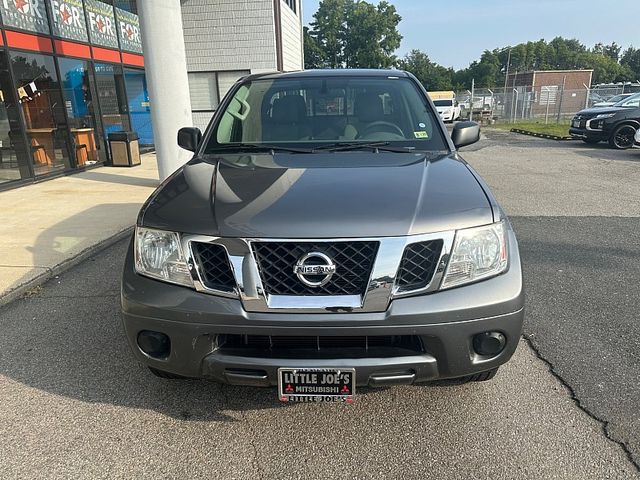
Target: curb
65, 265
541, 135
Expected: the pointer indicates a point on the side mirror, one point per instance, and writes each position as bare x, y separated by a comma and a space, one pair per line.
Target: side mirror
465, 133
189, 138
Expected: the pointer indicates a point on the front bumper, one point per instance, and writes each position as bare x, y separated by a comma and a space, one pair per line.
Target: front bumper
583, 133
446, 323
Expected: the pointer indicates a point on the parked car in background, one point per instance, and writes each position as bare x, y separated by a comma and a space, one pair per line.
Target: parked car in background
481, 104
448, 109
612, 100
446, 104
616, 124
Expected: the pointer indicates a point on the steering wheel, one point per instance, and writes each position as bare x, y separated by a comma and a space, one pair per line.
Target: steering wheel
381, 126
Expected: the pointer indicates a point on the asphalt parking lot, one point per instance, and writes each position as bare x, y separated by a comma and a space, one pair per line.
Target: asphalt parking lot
74, 403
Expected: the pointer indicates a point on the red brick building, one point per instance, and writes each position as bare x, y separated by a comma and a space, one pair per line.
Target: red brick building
557, 91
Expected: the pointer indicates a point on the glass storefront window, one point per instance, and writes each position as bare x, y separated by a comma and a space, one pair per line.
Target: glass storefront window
78, 92
13, 155
112, 98
139, 108
40, 96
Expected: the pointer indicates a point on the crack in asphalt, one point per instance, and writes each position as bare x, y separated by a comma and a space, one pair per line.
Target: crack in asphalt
572, 394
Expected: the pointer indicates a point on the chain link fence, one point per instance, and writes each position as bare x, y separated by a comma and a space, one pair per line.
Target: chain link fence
549, 104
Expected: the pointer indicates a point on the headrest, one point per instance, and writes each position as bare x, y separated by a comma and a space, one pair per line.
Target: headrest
289, 109
368, 108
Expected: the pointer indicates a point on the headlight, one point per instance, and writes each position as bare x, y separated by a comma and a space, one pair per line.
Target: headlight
605, 115
159, 255
477, 253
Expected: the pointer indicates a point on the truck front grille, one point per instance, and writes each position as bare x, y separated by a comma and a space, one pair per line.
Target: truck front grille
213, 264
353, 260
418, 265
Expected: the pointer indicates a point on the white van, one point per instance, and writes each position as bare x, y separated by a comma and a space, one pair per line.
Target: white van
448, 109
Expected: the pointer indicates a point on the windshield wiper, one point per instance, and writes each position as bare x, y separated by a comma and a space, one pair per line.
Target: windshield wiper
257, 147
376, 146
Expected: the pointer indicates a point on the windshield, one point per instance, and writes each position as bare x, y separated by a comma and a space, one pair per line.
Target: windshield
632, 101
319, 112
443, 103
617, 98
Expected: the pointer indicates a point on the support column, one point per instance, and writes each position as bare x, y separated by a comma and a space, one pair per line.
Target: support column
166, 66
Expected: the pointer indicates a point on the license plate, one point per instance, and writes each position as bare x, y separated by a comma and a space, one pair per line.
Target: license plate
316, 384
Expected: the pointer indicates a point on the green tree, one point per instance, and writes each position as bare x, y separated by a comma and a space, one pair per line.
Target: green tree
314, 55
371, 35
434, 77
353, 34
631, 60
327, 29
611, 51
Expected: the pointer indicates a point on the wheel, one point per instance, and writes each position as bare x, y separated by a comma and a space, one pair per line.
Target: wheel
622, 137
590, 141
167, 375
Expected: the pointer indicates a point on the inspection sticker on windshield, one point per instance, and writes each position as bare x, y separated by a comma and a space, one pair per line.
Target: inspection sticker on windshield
316, 384
421, 134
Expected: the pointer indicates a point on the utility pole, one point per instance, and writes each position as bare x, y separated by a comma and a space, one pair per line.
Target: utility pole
166, 67
473, 90
506, 76
564, 83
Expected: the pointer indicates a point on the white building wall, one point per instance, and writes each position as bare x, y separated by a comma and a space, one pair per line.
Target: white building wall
227, 39
292, 50
229, 35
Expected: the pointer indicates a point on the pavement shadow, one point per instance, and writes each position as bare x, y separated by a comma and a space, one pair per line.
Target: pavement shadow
73, 236
602, 151
119, 179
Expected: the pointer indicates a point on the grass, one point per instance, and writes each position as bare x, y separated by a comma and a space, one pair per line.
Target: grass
561, 129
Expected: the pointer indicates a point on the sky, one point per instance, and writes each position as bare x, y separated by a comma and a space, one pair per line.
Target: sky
456, 32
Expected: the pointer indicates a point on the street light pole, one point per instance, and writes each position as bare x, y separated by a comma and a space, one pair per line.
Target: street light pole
166, 68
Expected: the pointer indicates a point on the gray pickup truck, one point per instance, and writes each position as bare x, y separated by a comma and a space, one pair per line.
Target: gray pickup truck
326, 235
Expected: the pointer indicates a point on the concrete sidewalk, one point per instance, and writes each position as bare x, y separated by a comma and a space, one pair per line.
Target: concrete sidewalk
47, 227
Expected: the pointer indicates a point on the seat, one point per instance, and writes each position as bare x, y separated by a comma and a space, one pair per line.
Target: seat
288, 120
367, 109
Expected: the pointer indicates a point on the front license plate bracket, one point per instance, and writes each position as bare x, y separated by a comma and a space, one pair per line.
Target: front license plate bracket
316, 384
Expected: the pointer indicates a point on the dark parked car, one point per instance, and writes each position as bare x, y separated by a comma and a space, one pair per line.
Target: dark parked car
325, 235
616, 124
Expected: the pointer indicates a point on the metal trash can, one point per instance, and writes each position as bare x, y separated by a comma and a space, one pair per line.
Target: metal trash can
125, 150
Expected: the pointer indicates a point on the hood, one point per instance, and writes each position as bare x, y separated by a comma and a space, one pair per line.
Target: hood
335, 195
599, 110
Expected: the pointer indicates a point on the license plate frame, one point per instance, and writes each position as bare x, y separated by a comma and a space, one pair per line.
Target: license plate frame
316, 385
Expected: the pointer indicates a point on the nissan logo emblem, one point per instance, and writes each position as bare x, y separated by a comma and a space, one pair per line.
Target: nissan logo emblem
316, 265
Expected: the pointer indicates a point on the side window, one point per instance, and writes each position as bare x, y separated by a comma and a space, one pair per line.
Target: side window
635, 102
230, 128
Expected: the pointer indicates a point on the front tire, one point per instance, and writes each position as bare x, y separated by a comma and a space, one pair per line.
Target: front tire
622, 137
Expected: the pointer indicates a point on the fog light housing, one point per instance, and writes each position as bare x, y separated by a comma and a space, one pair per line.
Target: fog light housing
489, 343
155, 344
